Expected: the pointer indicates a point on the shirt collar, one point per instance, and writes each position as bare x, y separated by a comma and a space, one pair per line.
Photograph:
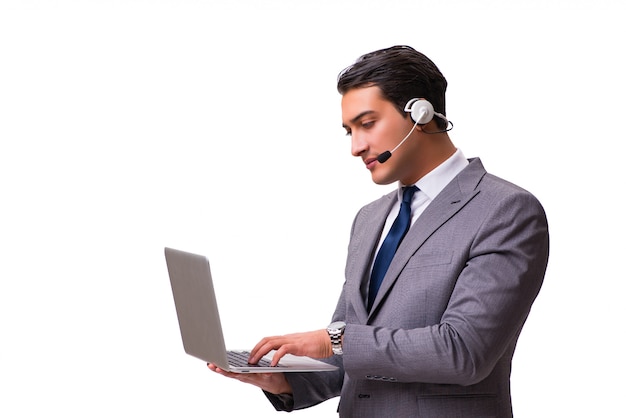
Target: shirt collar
435, 181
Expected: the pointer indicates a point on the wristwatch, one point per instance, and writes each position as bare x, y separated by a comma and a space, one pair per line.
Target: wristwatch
335, 332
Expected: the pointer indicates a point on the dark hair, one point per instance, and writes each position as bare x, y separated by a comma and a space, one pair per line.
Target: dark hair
402, 74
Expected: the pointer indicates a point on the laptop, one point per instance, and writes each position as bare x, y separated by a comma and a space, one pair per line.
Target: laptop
200, 326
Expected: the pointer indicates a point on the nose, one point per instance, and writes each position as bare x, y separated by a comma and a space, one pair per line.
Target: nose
359, 146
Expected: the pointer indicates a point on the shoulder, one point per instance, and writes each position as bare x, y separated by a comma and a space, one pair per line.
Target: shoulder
493, 196
490, 185
381, 204
372, 214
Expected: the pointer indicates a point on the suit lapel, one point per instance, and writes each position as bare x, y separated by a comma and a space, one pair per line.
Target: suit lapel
450, 201
363, 246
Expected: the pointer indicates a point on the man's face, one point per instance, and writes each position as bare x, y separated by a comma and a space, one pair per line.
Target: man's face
376, 126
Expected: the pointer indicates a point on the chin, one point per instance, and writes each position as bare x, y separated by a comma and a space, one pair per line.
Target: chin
382, 181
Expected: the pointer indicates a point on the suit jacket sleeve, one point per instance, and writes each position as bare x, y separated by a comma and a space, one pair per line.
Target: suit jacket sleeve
309, 388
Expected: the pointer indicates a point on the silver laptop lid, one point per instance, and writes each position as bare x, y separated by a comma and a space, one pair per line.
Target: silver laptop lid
199, 320
194, 298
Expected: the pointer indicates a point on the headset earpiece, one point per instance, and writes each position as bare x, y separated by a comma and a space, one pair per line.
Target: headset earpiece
421, 111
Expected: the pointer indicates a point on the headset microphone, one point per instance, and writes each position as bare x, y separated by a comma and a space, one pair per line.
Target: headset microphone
387, 154
422, 112
383, 157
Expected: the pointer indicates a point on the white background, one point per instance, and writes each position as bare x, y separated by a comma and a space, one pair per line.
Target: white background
128, 126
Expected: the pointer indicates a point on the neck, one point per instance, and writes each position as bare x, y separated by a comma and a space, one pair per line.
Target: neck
434, 150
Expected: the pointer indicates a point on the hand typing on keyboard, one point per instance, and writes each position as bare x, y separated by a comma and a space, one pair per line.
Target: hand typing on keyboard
240, 359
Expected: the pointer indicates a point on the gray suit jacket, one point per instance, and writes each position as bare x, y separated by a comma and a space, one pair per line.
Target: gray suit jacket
441, 334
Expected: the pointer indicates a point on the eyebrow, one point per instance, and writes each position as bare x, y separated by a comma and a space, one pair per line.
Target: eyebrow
357, 117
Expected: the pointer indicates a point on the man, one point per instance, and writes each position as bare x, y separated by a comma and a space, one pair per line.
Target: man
430, 332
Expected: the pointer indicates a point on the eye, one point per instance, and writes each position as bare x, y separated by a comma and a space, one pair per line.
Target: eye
348, 132
368, 124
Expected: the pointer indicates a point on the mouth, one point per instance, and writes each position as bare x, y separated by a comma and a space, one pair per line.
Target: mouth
370, 163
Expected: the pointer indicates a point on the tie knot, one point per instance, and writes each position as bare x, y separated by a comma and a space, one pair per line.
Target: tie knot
408, 193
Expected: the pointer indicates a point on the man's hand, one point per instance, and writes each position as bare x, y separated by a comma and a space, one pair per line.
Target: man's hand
314, 344
275, 383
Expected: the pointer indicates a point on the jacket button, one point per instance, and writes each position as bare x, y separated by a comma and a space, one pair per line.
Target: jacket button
363, 396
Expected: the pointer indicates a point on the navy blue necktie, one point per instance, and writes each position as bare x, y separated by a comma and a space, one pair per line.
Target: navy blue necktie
390, 244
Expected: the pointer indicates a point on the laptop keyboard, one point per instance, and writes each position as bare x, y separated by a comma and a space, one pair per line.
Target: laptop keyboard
240, 359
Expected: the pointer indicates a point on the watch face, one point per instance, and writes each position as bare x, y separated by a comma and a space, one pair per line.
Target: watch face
337, 325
